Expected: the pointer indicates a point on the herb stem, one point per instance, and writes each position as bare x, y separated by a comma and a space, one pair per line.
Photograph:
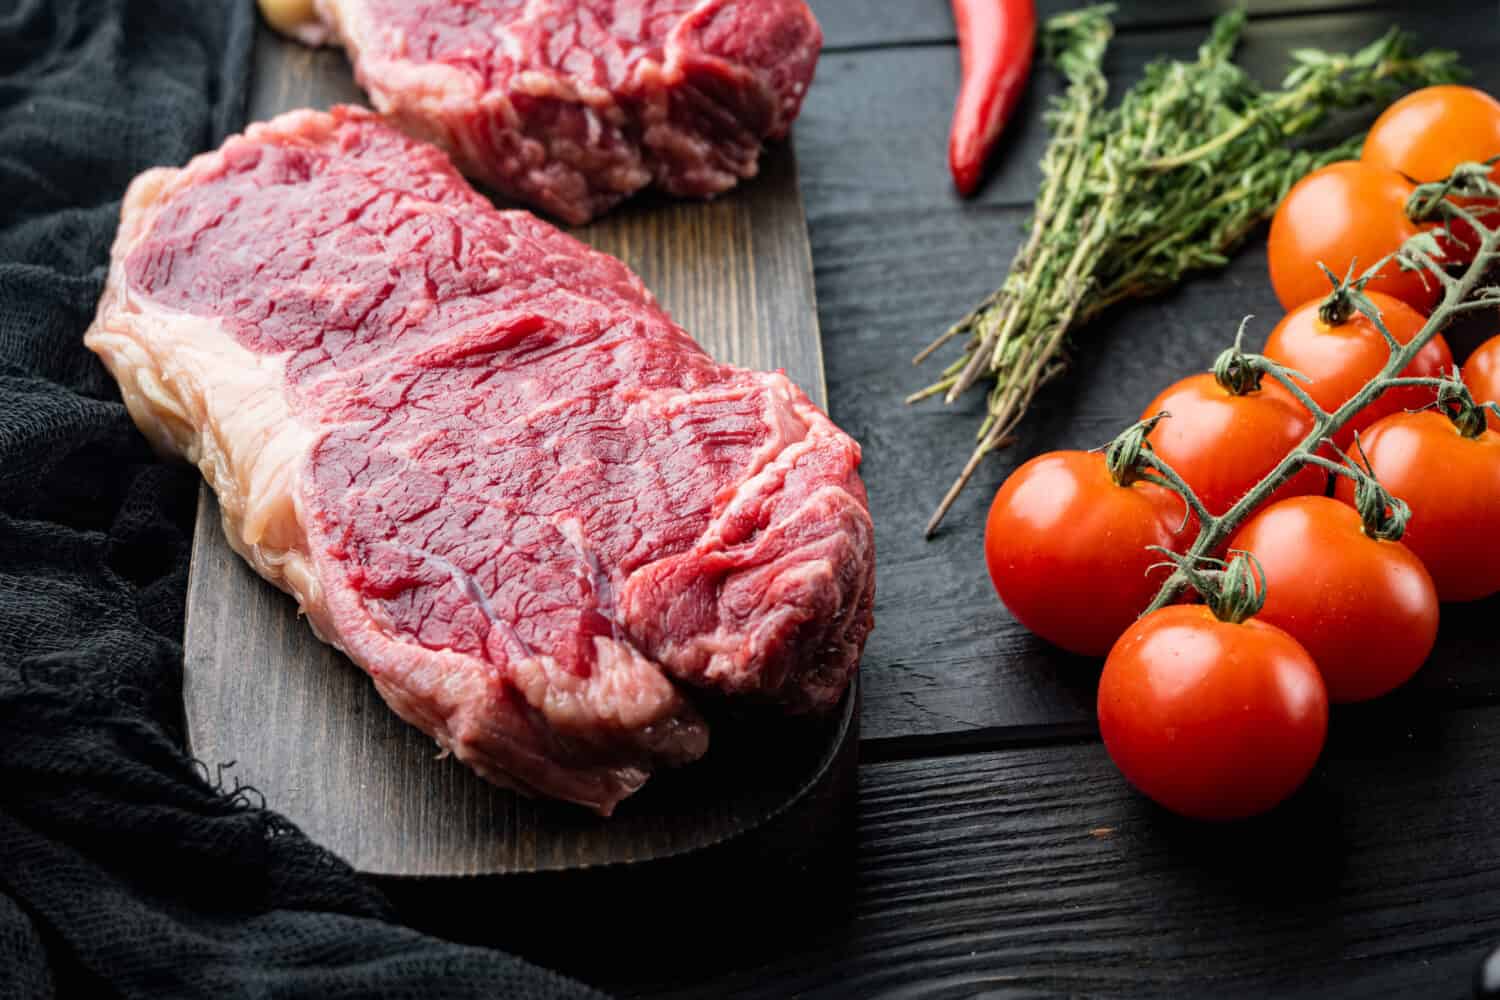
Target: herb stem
1264, 113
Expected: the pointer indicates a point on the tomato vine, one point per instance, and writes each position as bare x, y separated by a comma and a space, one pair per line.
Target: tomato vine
1461, 293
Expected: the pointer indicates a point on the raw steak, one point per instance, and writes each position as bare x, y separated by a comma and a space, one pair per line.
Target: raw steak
572, 105
487, 464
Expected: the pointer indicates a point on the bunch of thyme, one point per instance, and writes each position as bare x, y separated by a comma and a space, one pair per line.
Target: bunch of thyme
1134, 197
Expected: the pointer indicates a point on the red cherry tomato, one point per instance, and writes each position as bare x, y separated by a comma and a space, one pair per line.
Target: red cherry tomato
1346, 212
1067, 548
1482, 376
1429, 132
1365, 608
1452, 484
1339, 359
1211, 720
1222, 444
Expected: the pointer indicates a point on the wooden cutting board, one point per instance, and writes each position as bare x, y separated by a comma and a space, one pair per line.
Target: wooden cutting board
275, 709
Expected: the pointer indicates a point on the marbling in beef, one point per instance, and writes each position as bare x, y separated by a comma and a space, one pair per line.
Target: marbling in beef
487, 464
572, 105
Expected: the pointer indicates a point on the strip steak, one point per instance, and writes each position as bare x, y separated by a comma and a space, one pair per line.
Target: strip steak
572, 105
487, 464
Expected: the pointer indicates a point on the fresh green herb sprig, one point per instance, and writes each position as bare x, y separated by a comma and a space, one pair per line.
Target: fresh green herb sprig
1136, 196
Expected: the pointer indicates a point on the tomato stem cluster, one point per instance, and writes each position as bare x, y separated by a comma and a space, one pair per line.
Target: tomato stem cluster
1234, 590
1384, 516
1237, 373
1339, 306
1454, 399
1426, 201
1122, 456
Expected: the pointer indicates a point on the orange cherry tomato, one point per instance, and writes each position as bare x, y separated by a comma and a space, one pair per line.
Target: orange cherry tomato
1222, 444
1482, 376
1345, 213
1452, 484
1430, 131
1210, 719
1067, 548
1364, 607
1339, 359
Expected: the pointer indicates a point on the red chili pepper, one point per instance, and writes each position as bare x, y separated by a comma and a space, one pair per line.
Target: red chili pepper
995, 43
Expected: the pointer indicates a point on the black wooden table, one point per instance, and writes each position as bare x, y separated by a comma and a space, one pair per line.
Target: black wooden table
996, 850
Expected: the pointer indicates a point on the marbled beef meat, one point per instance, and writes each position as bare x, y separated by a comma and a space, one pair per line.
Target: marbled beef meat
572, 105
488, 465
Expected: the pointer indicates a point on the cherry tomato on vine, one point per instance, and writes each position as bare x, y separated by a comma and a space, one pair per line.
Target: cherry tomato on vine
1452, 484
1482, 376
1340, 358
1364, 607
1222, 444
1345, 213
1430, 131
1212, 720
1067, 548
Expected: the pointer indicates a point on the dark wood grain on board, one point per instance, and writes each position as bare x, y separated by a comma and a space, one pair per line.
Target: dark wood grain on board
857, 24
898, 258
1038, 872
306, 728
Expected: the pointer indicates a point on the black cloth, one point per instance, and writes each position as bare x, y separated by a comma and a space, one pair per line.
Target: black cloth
123, 869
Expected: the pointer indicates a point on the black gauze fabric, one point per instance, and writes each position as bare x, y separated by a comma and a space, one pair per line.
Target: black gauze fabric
123, 870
